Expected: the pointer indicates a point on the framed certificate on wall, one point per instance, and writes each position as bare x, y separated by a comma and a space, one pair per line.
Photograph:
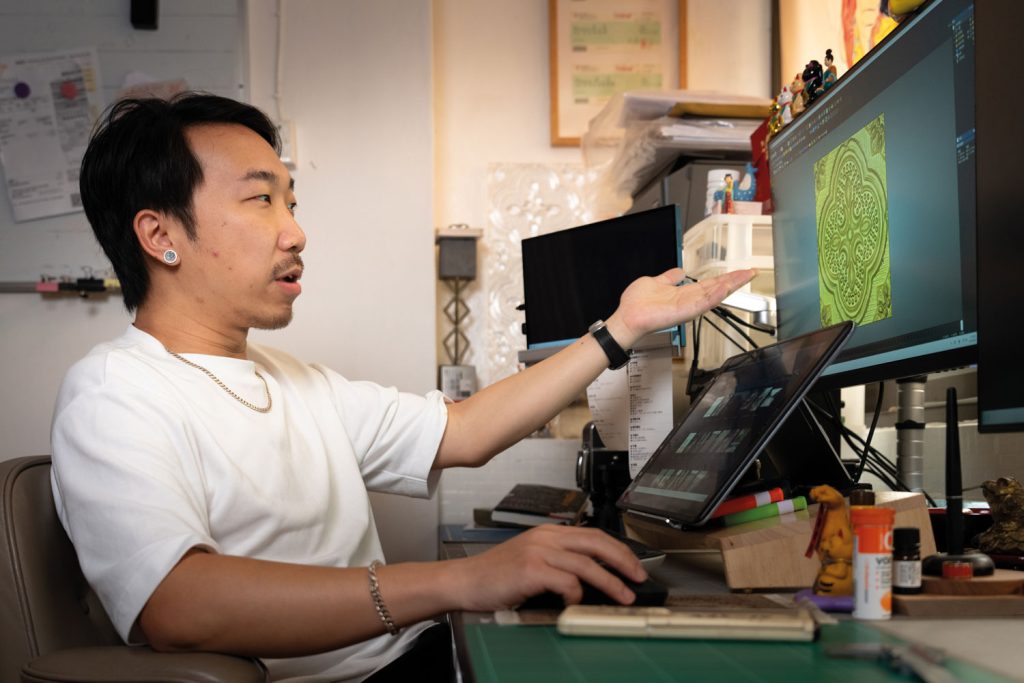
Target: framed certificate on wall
602, 47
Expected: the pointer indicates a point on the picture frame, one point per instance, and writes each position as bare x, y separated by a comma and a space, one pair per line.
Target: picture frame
601, 47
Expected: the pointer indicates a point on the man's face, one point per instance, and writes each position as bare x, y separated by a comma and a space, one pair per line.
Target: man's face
243, 267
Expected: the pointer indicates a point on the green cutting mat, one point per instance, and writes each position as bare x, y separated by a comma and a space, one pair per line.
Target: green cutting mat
538, 654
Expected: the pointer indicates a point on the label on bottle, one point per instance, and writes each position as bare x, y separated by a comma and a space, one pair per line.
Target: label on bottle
906, 575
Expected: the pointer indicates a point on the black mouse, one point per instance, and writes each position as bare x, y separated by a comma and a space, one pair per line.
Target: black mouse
649, 593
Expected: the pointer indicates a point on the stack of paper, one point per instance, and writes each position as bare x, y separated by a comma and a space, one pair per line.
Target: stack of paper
639, 133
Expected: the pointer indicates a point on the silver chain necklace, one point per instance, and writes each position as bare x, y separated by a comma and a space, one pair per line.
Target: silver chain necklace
216, 380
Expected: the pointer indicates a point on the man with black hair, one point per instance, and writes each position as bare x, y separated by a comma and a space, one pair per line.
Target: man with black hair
216, 490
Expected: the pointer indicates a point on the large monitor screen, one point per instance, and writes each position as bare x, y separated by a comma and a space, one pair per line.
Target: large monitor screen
574, 277
1000, 243
874, 193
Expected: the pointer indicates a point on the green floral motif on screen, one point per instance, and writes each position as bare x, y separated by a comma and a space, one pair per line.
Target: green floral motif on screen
851, 208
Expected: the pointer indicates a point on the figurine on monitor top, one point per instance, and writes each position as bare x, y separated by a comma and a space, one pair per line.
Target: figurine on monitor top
799, 101
785, 100
806, 87
830, 75
812, 76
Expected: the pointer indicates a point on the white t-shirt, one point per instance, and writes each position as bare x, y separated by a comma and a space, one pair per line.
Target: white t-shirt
152, 458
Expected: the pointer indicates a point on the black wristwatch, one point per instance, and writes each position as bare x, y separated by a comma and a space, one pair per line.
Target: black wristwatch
617, 356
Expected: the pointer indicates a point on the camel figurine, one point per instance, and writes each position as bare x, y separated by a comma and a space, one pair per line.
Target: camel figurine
832, 538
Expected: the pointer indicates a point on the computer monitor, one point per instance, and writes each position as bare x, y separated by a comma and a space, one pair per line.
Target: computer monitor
1000, 242
574, 277
875, 204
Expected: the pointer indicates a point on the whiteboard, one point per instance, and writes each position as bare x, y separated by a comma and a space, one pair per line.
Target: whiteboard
200, 41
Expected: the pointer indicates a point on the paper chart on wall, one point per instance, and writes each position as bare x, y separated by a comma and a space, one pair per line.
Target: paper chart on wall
48, 104
632, 407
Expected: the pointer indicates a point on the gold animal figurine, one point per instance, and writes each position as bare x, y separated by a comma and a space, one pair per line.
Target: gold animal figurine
1005, 497
833, 539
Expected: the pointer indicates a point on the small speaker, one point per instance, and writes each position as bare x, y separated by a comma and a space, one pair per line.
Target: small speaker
457, 259
144, 14
456, 246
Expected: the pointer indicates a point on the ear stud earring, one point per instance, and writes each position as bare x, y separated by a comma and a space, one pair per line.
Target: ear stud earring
170, 257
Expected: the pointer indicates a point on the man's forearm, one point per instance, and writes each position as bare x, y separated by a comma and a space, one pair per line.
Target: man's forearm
498, 416
493, 419
242, 606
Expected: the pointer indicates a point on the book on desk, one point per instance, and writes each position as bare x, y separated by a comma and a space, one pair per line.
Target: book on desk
533, 504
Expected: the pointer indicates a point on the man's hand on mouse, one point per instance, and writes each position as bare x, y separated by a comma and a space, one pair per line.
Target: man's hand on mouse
545, 558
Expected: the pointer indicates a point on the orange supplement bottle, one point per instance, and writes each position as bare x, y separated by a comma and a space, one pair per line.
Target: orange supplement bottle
872, 562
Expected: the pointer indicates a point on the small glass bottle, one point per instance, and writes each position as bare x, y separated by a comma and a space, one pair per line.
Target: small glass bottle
906, 560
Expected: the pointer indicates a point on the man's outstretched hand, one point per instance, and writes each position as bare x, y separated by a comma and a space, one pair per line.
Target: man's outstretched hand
655, 303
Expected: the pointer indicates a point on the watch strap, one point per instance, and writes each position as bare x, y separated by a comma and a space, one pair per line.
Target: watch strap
617, 356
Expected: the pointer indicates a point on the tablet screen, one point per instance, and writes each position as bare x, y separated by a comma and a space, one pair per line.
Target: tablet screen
722, 433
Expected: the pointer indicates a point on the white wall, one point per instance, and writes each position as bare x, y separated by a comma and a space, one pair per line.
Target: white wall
356, 80
728, 47
39, 340
491, 98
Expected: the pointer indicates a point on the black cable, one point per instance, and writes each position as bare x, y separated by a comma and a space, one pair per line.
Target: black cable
875, 456
696, 337
723, 333
724, 311
735, 327
695, 374
871, 431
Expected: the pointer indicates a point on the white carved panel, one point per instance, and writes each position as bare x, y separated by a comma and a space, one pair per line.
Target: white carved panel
524, 200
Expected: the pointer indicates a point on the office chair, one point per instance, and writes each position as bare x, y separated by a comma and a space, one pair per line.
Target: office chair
52, 626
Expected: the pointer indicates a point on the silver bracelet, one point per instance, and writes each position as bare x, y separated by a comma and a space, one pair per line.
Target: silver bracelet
378, 601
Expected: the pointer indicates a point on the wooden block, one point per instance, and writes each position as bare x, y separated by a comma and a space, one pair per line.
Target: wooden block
962, 606
1002, 582
769, 554
911, 511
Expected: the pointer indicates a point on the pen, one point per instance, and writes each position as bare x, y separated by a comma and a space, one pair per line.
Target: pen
753, 500
765, 511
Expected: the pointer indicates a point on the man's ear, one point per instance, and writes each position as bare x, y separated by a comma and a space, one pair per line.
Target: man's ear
155, 234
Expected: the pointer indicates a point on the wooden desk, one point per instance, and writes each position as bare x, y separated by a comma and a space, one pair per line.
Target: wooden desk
981, 650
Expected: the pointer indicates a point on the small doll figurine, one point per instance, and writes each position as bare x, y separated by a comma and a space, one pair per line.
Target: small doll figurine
830, 75
832, 538
785, 100
797, 90
812, 80
745, 189
727, 205
775, 118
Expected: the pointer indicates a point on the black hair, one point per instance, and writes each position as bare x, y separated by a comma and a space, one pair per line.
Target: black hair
139, 158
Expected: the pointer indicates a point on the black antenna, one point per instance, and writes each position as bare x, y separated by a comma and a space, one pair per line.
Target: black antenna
932, 565
954, 483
